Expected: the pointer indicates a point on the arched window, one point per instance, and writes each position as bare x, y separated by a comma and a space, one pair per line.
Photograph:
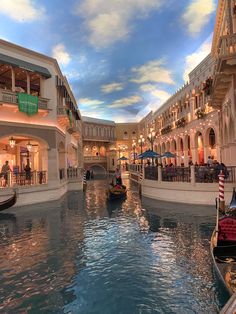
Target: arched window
212, 138
125, 136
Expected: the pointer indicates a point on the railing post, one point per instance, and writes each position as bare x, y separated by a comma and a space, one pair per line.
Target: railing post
192, 174
159, 172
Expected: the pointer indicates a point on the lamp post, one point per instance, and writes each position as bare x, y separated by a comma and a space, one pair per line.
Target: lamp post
134, 146
151, 137
141, 142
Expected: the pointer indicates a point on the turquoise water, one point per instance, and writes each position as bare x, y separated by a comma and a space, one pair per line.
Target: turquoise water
85, 255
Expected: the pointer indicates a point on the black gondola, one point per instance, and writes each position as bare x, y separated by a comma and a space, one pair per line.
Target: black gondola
8, 203
117, 192
223, 247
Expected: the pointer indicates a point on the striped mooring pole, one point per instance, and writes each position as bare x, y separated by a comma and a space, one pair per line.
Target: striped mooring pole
84, 181
222, 191
140, 181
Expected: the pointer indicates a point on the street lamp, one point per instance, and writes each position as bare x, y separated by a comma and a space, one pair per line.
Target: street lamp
134, 146
141, 142
151, 137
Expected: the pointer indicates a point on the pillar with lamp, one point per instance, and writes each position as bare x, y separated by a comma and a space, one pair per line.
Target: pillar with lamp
134, 146
151, 137
141, 143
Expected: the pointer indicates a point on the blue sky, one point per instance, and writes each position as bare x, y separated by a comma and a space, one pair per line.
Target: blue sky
122, 58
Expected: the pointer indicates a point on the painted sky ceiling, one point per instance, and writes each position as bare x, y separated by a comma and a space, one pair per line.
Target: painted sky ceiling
122, 58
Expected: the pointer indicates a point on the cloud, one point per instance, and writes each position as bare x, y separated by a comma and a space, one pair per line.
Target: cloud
153, 71
192, 60
22, 11
112, 87
124, 102
155, 92
110, 21
90, 102
60, 54
197, 15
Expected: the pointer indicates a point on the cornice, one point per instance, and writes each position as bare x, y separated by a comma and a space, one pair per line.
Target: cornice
218, 24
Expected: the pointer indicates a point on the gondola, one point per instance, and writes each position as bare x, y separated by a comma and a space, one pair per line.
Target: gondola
223, 247
117, 192
9, 202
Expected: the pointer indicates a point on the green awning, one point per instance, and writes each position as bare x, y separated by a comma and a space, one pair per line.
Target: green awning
24, 65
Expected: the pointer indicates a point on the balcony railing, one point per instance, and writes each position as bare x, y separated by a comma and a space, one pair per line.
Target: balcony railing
95, 159
71, 173
10, 97
227, 46
23, 178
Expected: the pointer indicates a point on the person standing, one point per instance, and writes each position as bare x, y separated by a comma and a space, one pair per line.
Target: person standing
5, 172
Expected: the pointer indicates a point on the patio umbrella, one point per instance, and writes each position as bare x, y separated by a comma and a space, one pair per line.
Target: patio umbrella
123, 158
169, 155
149, 154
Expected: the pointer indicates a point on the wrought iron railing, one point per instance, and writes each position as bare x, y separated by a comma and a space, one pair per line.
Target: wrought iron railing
176, 174
151, 173
205, 174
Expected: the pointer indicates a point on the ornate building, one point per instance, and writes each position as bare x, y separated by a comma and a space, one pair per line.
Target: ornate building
224, 81
40, 125
99, 144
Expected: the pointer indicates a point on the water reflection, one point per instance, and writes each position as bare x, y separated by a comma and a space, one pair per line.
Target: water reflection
84, 254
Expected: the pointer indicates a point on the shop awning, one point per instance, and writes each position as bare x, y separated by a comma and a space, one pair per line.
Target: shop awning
24, 65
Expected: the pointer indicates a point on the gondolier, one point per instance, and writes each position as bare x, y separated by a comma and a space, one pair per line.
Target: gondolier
118, 176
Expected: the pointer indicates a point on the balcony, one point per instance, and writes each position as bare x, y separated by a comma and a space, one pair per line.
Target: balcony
95, 159
76, 129
224, 68
10, 98
64, 118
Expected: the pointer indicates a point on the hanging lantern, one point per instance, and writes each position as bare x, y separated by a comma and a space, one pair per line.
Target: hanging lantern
29, 146
12, 142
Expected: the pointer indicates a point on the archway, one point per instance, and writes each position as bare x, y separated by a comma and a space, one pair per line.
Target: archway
210, 141
99, 172
21, 150
200, 147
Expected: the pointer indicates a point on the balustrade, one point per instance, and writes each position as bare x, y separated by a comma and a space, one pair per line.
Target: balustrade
21, 179
9, 97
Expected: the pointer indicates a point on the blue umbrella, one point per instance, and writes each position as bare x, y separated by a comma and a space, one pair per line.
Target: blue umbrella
123, 158
149, 154
169, 155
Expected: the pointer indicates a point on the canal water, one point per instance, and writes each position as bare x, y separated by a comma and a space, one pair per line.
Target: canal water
85, 255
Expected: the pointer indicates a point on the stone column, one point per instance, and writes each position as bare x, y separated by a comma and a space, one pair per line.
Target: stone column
194, 155
53, 166
13, 80
206, 153
159, 174
186, 158
192, 174
41, 88
28, 82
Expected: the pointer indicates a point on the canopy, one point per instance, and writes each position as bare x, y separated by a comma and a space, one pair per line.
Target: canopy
123, 158
169, 155
149, 154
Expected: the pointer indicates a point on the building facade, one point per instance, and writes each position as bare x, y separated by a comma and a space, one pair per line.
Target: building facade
40, 124
99, 138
